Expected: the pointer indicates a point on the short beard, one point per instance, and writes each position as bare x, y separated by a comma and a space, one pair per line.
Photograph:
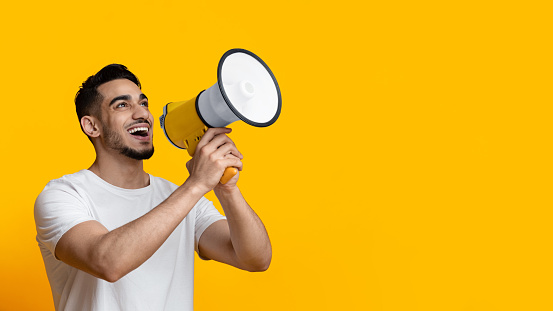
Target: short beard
114, 141
136, 154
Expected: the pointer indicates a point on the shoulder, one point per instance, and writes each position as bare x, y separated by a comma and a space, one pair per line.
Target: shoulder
62, 204
68, 188
62, 200
67, 183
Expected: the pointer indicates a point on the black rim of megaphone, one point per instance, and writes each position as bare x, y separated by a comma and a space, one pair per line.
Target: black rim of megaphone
227, 100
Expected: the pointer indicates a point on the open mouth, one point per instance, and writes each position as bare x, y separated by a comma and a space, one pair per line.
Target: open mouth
139, 131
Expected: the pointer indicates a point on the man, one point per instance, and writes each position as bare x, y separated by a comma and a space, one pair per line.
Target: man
116, 238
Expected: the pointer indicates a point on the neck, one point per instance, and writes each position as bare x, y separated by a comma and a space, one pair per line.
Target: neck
120, 171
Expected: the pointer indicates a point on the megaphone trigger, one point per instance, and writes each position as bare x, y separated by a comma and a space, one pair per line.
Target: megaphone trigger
193, 139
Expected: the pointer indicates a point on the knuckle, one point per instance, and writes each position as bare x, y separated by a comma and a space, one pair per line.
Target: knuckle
221, 164
203, 151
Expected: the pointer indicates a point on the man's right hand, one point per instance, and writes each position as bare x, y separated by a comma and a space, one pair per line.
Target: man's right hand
214, 153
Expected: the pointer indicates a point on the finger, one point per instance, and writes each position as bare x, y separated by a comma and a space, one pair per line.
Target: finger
222, 139
227, 148
210, 134
231, 161
221, 144
230, 156
219, 140
215, 142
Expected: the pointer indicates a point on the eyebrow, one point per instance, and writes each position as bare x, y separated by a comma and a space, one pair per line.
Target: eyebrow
126, 97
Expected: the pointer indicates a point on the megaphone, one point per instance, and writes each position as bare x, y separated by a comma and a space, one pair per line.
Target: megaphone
246, 90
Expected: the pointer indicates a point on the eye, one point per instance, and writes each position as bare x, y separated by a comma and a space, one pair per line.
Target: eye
145, 104
121, 105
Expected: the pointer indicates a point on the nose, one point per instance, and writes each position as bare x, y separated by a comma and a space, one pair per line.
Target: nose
141, 112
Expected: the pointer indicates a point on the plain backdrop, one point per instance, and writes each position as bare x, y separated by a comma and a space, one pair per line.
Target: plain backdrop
410, 168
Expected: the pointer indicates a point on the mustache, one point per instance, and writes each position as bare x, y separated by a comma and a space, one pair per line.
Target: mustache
139, 121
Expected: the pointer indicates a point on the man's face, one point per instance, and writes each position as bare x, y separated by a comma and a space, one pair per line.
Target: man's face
125, 119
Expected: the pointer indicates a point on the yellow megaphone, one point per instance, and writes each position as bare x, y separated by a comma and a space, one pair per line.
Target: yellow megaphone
246, 90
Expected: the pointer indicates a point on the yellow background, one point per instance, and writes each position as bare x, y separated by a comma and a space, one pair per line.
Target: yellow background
410, 168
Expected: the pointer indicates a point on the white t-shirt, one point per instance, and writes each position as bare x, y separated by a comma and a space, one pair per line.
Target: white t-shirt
164, 282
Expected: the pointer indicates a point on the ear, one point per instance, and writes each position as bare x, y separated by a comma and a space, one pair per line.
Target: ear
90, 126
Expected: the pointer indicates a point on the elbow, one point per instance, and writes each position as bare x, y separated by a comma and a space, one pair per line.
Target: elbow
260, 268
259, 265
108, 270
111, 276
257, 268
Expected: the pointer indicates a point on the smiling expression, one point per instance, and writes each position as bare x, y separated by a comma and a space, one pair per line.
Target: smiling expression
126, 120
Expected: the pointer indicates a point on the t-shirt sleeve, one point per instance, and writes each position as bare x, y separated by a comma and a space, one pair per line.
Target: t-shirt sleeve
206, 214
57, 209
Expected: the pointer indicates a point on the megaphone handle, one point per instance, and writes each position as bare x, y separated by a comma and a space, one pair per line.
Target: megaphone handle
228, 174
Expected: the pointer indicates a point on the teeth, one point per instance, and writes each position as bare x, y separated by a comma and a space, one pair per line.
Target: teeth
137, 129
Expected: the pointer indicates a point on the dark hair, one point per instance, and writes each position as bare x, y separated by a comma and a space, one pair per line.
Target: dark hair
88, 99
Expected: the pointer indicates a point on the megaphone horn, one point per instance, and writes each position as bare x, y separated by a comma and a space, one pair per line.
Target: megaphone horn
246, 90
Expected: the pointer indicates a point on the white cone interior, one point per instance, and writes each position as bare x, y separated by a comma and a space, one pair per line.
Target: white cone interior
249, 88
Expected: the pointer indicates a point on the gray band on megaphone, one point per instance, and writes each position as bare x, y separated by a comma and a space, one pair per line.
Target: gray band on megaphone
213, 110
198, 110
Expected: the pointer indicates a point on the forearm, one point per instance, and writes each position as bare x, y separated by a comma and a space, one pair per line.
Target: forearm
126, 248
247, 233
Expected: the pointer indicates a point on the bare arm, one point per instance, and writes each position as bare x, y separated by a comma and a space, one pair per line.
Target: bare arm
241, 240
110, 255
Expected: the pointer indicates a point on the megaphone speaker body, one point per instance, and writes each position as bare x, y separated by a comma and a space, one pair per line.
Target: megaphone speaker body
246, 90
182, 125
